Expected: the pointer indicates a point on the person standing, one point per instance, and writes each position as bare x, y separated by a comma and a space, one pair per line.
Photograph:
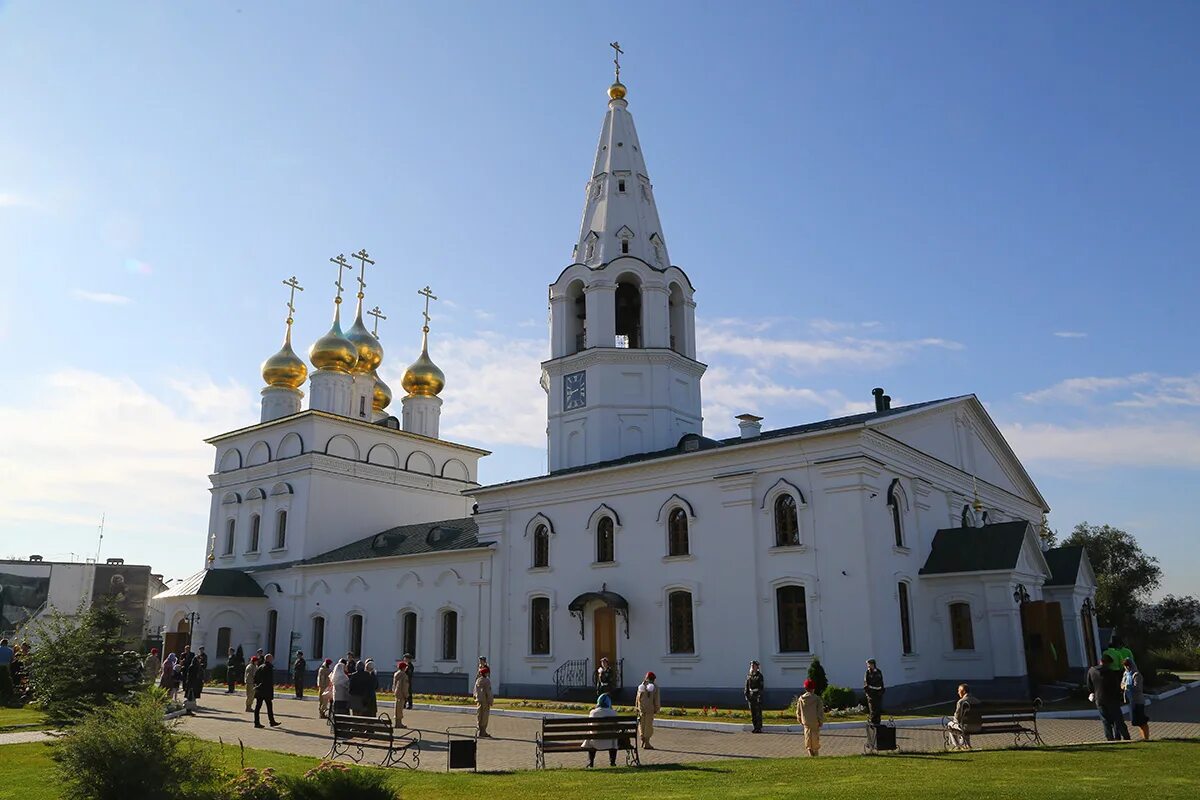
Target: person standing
341, 687
873, 689
167, 680
370, 689
264, 691
202, 673
1118, 651
324, 684
233, 668
606, 678
603, 709
358, 677
1105, 686
412, 686
1131, 684
251, 668
965, 721
810, 712
299, 667
647, 705
482, 692
192, 679
400, 691
755, 687
152, 666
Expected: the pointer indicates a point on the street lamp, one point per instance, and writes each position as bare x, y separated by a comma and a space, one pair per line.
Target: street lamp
1020, 594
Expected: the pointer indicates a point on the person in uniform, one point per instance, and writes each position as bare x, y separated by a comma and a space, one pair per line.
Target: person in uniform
605, 678
755, 686
324, 676
299, 667
264, 691
873, 689
810, 712
483, 699
400, 690
152, 666
202, 673
412, 686
647, 704
233, 668
251, 668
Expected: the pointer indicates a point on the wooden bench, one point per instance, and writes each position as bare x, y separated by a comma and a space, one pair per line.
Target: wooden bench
1017, 718
565, 735
374, 733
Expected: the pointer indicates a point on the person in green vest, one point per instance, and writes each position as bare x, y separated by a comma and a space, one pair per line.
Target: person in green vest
1119, 652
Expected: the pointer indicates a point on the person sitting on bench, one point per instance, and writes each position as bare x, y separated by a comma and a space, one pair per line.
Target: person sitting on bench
961, 726
603, 709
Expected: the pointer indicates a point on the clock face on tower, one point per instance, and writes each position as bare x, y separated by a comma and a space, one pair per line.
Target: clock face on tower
574, 390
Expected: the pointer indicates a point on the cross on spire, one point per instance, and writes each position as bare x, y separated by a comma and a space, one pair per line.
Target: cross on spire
616, 46
342, 265
428, 294
295, 287
363, 259
378, 315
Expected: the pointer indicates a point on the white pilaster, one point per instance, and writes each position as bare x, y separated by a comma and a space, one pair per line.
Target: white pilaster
280, 401
331, 391
421, 415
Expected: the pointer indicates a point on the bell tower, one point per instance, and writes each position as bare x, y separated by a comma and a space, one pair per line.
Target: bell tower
622, 377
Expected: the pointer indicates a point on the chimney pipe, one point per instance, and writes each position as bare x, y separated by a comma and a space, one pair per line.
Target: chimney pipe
887, 402
878, 392
750, 425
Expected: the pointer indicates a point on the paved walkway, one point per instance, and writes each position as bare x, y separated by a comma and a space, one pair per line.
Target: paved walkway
223, 717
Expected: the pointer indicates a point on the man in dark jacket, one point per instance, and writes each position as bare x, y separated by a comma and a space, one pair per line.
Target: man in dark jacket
408, 668
755, 685
606, 678
202, 673
873, 689
299, 667
1104, 683
234, 666
264, 691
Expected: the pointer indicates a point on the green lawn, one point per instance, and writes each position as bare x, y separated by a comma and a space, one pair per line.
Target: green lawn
21, 719
1161, 770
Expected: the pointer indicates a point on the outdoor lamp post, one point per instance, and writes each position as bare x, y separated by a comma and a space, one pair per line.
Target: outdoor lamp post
1020, 594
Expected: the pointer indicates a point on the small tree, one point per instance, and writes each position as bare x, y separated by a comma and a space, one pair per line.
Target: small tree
1125, 574
82, 662
816, 674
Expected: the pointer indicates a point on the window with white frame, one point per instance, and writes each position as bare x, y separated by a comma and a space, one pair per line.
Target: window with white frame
895, 503
605, 545
541, 547
449, 635
677, 533
255, 530
791, 610
787, 521
354, 640
539, 626
681, 637
318, 637
408, 633
962, 633
281, 529
230, 527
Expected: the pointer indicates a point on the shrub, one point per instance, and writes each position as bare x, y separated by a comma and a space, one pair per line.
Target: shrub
1179, 656
331, 781
816, 674
839, 697
126, 750
253, 784
219, 673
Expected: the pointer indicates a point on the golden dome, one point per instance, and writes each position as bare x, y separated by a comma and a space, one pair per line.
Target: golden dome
367, 346
285, 369
616, 91
424, 378
334, 351
382, 396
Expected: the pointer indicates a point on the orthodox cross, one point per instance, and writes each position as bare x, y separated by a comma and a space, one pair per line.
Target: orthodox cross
363, 259
616, 46
428, 294
378, 315
342, 265
295, 287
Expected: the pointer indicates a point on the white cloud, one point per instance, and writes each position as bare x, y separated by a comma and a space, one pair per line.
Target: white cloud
828, 326
1140, 390
104, 298
1070, 334
13, 200
1164, 444
1178, 391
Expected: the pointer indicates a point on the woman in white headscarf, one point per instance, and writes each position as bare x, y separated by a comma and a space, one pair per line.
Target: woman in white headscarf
341, 688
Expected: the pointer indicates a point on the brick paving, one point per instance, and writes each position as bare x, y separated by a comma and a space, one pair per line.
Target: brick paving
223, 717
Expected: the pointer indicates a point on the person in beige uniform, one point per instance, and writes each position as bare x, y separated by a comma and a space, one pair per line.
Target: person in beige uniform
810, 712
251, 668
483, 698
324, 678
400, 687
647, 705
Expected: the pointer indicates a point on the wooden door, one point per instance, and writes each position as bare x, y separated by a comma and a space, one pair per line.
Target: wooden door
1038, 660
173, 642
604, 634
1057, 639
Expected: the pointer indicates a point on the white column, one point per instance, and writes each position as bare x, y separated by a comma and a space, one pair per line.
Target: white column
656, 317
331, 392
601, 303
560, 329
422, 415
280, 401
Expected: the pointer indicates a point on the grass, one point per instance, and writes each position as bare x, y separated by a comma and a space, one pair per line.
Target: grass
25, 718
1162, 769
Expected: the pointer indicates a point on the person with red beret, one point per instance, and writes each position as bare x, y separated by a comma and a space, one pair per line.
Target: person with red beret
483, 699
647, 705
810, 712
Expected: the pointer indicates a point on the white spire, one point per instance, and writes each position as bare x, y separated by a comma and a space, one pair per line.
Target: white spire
619, 207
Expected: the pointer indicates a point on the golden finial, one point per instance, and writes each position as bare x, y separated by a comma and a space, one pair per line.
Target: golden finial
285, 368
424, 377
334, 351
378, 315
617, 90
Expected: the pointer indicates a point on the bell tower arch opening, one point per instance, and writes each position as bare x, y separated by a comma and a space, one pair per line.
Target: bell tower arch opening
576, 311
629, 311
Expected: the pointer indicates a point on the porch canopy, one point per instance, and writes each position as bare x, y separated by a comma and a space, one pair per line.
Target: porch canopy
612, 600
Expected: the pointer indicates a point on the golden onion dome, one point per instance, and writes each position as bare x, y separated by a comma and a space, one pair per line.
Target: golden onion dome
617, 91
334, 351
285, 369
366, 345
382, 396
423, 378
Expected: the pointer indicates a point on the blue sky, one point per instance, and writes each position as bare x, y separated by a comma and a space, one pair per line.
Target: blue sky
938, 198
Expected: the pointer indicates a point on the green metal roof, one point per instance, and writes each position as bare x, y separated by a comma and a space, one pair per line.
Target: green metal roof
406, 540
991, 547
1064, 564
215, 583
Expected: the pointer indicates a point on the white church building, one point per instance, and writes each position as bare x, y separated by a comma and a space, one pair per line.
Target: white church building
907, 534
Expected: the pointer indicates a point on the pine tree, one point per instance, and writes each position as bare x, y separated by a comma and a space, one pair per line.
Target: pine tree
816, 674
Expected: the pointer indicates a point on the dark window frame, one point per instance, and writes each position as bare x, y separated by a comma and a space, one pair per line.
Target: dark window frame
541, 547
539, 626
681, 625
962, 630
678, 536
449, 635
787, 521
906, 637
606, 545
791, 612
318, 637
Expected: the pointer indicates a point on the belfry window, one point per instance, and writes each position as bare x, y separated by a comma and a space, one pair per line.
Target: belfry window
229, 530
629, 315
255, 529
281, 529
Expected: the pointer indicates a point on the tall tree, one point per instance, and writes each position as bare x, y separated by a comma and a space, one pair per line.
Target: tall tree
1125, 574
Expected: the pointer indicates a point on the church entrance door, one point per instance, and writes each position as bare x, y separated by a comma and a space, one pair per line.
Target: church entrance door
604, 629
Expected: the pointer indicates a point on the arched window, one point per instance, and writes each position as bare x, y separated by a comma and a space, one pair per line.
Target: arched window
906, 640
604, 541
676, 311
224, 635
408, 634
539, 626
255, 529
895, 505
677, 533
281, 529
354, 640
682, 637
967, 519
229, 531
576, 311
318, 637
791, 611
541, 547
787, 524
272, 629
628, 315
962, 636
449, 636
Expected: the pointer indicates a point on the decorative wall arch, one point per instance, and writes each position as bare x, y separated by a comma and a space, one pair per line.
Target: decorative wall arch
231, 499
281, 489
780, 486
603, 510
342, 446
448, 574
319, 585
256, 494
260, 453
456, 470
409, 577
675, 501
383, 455
231, 460
539, 519
356, 582
290, 446
420, 461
